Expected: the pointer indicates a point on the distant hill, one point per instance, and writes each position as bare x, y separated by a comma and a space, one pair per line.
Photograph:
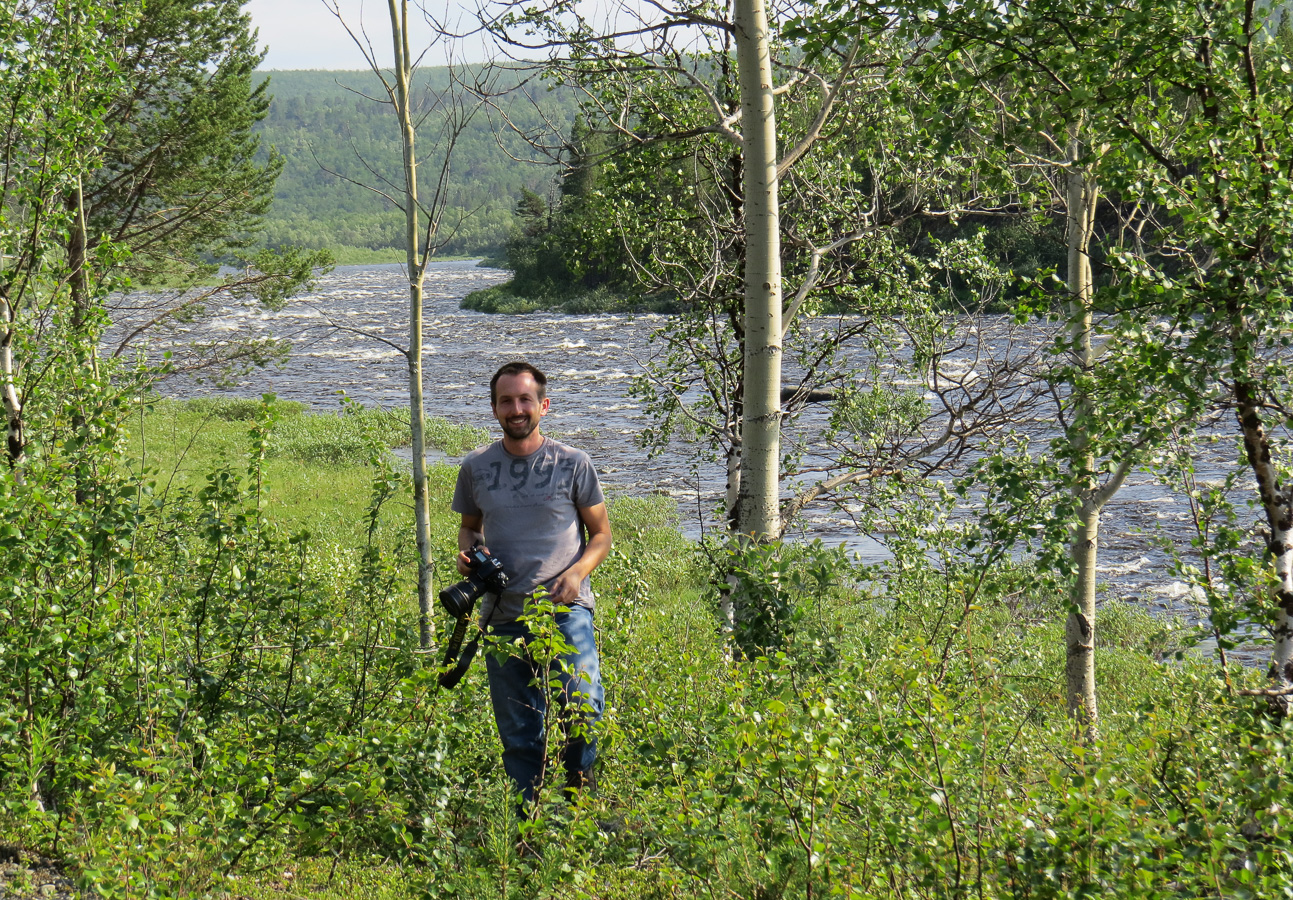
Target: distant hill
320, 119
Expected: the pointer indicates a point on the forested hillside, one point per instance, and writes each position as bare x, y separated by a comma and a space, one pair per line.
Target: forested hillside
325, 122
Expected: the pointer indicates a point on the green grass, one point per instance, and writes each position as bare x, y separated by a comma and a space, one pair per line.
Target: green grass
320, 878
316, 472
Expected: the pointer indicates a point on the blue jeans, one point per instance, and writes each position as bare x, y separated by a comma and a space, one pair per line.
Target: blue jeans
520, 699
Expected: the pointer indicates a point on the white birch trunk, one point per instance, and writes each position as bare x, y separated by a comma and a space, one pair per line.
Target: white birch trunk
1079, 630
732, 496
15, 440
757, 512
1277, 501
416, 263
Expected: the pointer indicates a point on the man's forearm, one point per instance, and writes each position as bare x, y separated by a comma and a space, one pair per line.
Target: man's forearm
467, 537
599, 547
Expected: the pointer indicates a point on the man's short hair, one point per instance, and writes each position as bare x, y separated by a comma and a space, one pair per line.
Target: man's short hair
517, 368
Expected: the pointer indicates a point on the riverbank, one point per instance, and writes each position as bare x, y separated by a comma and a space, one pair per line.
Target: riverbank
502, 300
336, 334
905, 734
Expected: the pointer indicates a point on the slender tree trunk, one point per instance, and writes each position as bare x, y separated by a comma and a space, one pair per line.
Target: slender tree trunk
732, 495
416, 262
77, 247
758, 514
15, 438
79, 283
1277, 501
1079, 630
726, 603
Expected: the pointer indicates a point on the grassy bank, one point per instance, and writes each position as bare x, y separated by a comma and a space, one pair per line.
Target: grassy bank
231, 703
316, 468
503, 300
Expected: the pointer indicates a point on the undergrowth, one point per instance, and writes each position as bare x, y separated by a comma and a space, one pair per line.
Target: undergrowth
211, 686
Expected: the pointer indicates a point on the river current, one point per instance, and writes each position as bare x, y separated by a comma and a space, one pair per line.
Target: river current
337, 329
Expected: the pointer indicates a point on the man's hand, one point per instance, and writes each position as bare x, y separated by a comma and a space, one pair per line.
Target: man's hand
565, 587
464, 568
469, 536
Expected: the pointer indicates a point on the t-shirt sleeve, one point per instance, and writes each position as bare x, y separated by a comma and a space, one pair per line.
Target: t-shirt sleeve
588, 490
464, 498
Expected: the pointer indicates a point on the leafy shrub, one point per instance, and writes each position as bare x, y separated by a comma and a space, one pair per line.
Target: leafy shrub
209, 684
773, 589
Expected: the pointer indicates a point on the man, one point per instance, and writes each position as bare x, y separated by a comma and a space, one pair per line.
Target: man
536, 505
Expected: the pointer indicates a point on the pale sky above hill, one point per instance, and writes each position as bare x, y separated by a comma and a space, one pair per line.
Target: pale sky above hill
303, 34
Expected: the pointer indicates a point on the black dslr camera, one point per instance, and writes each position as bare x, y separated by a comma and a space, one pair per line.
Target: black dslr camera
459, 599
486, 575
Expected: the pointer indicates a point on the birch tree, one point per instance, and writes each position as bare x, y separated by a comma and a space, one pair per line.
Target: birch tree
1194, 111
1054, 80
58, 72
631, 43
758, 511
1215, 153
676, 183
425, 231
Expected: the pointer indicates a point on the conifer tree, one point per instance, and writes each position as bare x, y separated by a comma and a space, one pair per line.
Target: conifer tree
183, 181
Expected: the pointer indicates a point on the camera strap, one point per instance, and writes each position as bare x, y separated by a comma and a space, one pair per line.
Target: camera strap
449, 679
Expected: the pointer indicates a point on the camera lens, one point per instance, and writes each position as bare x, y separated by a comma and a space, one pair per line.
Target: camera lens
459, 598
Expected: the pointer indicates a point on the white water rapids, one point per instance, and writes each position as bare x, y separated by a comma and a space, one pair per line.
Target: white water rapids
590, 360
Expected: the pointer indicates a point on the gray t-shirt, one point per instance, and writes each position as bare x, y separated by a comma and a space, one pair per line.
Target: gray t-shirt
530, 513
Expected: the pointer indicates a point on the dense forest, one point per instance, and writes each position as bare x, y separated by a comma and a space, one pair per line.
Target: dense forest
1013, 256
335, 140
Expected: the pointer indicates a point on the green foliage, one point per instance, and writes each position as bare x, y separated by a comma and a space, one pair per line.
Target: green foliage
192, 688
188, 706
58, 80
209, 655
911, 769
775, 590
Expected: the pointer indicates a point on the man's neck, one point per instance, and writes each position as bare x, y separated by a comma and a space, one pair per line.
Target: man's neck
524, 447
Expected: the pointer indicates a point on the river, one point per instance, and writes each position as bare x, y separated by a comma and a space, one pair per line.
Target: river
337, 331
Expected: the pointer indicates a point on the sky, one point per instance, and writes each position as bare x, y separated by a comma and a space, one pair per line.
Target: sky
303, 34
